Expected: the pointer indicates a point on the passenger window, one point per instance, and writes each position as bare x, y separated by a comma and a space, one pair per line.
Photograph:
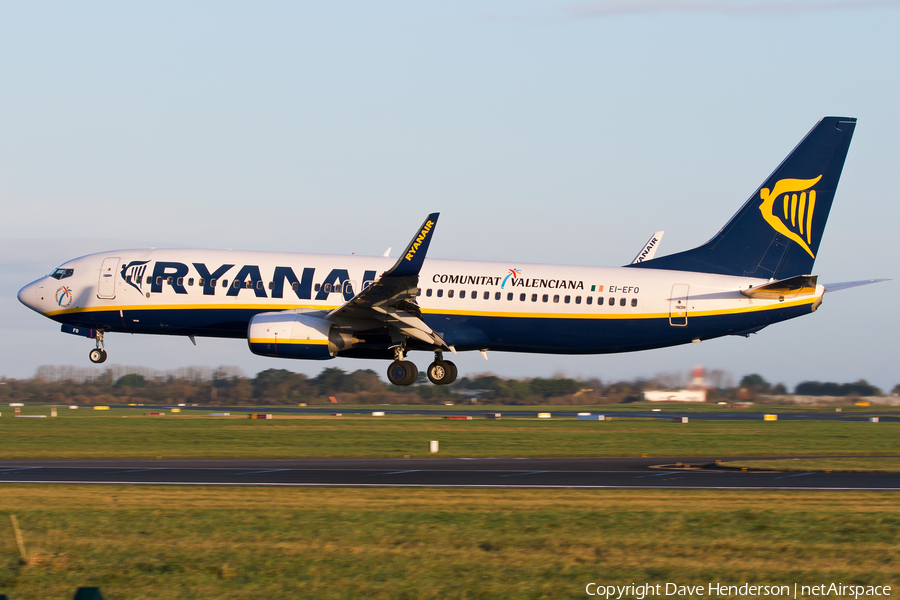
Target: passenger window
191, 281
611, 301
509, 296
271, 285
318, 287
488, 295
449, 293
556, 298
634, 301
212, 282
428, 292
259, 284
180, 281
534, 297
338, 287
327, 288
546, 297
294, 286
348, 289
473, 295
622, 301
577, 299
440, 293
149, 279
236, 284
159, 280
589, 299
418, 291
567, 299
169, 280
248, 284
599, 301
224, 283
521, 297
462, 293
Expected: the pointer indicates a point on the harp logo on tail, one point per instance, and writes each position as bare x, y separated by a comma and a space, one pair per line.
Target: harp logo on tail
791, 199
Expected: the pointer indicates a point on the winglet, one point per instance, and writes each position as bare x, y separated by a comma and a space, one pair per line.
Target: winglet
649, 249
410, 262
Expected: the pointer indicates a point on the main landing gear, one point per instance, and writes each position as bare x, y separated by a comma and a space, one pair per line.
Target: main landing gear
98, 354
441, 372
404, 372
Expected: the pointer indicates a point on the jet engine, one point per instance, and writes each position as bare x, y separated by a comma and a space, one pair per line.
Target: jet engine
296, 335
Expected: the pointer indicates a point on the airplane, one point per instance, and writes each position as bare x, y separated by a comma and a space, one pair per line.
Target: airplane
754, 272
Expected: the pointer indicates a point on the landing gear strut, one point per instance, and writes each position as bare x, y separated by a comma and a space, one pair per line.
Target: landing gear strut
402, 372
441, 372
98, 354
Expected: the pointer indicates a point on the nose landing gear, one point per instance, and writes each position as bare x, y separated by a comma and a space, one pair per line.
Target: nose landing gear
98, 354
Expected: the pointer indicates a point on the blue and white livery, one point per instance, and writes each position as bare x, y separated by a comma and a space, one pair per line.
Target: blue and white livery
755, 272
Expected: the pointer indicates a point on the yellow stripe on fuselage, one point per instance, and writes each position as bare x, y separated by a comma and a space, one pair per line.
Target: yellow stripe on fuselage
450, 312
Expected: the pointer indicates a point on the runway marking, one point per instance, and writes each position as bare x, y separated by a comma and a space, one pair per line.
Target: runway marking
395, 472
654, 475
135, 471
269, 471
19, 469
794, 475
528, 473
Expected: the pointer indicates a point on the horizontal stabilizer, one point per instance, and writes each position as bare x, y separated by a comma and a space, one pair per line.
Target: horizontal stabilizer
785, 288
649, 249
836, 287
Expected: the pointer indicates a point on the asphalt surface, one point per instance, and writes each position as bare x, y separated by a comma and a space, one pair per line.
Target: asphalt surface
666, 413
586, 473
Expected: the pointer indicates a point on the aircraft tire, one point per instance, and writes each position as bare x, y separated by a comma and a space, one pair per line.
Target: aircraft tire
453, 372
440, 372
402, 372
97, 356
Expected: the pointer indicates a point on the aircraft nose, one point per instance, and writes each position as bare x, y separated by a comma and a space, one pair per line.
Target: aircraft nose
28, 296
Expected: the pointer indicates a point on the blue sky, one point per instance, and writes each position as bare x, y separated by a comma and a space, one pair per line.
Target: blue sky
542, 131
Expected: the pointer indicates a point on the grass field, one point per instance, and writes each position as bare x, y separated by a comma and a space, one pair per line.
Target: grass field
162, 543
108, 435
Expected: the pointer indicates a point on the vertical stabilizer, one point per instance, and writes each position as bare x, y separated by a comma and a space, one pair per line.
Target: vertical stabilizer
776, 234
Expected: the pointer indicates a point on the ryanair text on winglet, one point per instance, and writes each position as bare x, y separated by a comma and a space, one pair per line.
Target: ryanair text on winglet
419, 240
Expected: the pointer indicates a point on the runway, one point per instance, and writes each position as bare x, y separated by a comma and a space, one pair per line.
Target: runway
575, 473
665, 414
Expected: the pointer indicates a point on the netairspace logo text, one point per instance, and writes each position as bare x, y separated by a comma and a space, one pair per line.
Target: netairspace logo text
648, 590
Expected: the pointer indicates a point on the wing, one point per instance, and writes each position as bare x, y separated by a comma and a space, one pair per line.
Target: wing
391, 299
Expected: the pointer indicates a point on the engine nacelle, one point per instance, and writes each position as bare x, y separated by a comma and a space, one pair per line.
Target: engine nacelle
295, 335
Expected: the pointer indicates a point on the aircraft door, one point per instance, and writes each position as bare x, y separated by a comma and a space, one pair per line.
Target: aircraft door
106, 287
678, 305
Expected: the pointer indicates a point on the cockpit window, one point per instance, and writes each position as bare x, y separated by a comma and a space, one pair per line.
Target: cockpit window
62, 273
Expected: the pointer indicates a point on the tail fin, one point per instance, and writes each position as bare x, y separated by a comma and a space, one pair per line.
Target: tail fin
776, 234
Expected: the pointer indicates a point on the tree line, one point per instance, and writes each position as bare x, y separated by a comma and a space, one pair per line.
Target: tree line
228, 386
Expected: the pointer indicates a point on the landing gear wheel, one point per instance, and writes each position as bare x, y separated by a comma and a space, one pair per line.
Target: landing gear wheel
442, 372
97, 356
453, 371
402, 372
